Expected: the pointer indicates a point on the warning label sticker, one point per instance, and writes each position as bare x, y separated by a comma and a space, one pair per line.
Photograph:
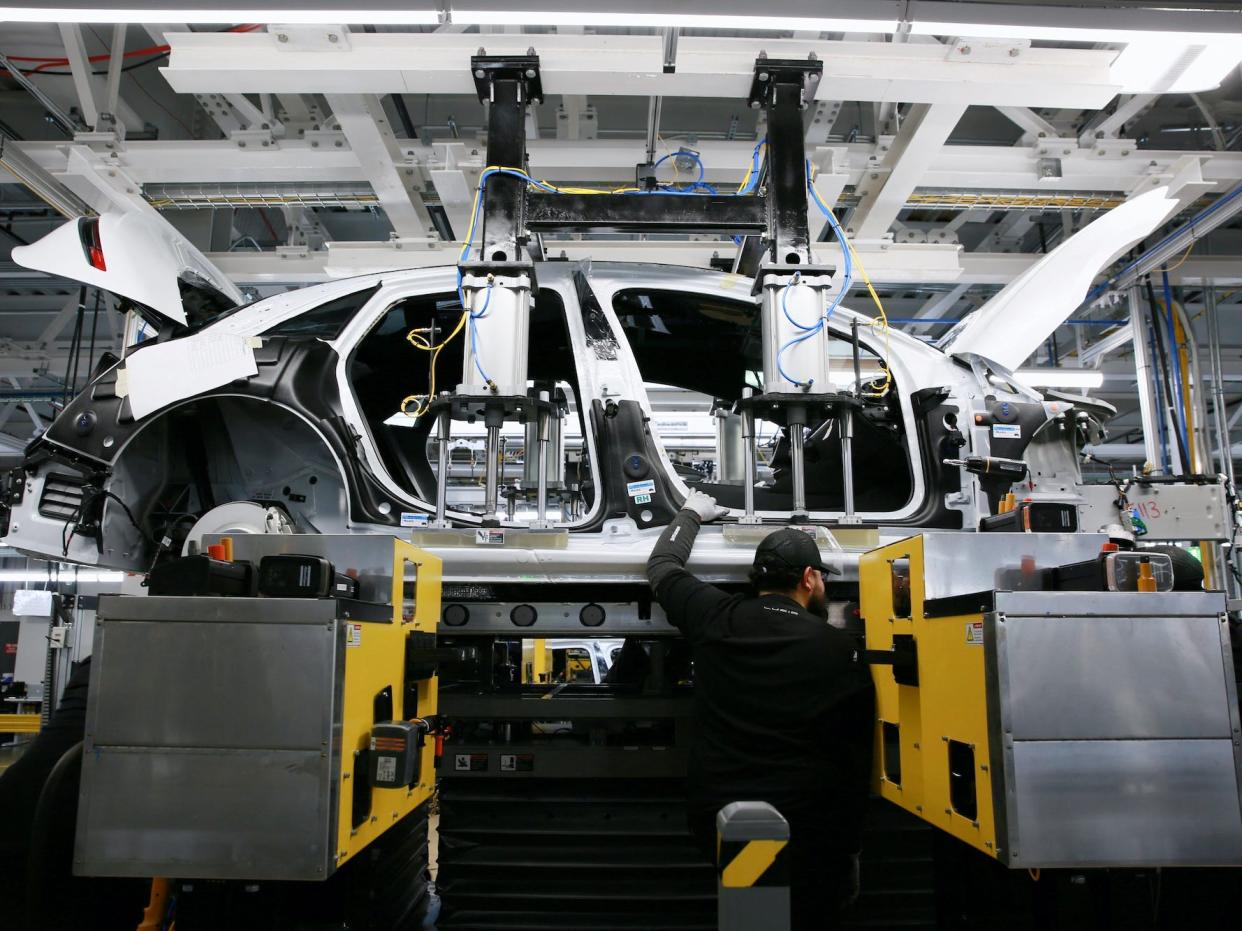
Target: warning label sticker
974, 633
489, 536
645, 487
353, 635
470, 762
1007, 431
386, 769
517, 762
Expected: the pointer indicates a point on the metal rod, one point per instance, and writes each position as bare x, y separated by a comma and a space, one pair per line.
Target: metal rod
55, 112
654, 106
442, 476
1142, 369
493, 418
1218, 389
857, 360
847, 461
797, 459
752, 455
541, 484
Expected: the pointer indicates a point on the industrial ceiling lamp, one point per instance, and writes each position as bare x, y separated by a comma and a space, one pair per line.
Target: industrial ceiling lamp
374, 12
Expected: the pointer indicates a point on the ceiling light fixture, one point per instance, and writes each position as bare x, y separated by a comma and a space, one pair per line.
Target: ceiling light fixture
618, 18
66, 576
198, 15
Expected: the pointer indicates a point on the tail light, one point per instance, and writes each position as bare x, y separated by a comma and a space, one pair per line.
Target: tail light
88, 230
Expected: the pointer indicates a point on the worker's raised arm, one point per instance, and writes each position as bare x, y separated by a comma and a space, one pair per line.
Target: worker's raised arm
687, 601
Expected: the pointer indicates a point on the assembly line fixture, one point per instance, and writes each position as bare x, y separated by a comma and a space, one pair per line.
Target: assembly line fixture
797, 295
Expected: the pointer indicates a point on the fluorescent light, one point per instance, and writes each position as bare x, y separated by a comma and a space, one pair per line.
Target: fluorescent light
333, 16
1151, 62
1157, 66
1064, 33
666, 20
66, 575
1060, 378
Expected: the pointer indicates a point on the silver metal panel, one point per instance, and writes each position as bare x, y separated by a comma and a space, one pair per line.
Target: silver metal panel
162, 684
1170, 512
211, 750
1111, 604
1125, 803
175, 609
204, 814
369, 554
1115, 677
961, 563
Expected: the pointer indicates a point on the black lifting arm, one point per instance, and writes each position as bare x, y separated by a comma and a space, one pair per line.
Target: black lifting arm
508, 84
783, 87
512, 211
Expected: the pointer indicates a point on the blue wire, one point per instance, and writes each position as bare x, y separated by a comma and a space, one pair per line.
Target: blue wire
847, 274
474, 332
808, 333
754, 169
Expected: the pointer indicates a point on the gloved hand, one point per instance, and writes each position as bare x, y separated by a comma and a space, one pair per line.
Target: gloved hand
704, 506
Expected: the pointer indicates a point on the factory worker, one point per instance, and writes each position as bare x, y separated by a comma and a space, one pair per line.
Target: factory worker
783, 706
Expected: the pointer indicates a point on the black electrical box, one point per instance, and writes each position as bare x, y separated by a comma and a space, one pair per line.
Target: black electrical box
201, 575
1113, 572
1034, 517
395, 755
295, 576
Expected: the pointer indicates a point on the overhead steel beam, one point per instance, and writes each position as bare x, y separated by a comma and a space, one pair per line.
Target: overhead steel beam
63, 119
923, 133
362, 120
40, 181
604, 161
633, 65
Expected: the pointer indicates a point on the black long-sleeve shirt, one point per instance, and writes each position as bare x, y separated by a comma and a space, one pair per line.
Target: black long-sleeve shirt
784, 706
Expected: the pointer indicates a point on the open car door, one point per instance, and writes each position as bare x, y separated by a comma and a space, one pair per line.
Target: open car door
154, 271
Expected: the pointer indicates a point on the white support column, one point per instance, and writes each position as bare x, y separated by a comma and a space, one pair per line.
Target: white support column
455, 184
829, 182
922, 135
115, 64
1031, 123
569, 116
362, 120
1107, 126
80, 67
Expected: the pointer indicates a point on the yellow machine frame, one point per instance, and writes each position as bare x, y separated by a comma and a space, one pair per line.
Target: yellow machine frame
375, 658
949, 703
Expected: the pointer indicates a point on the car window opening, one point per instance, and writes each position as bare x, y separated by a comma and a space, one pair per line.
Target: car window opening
710, 346
386, 371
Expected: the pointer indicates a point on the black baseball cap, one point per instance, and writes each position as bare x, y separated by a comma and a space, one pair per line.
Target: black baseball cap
789, 549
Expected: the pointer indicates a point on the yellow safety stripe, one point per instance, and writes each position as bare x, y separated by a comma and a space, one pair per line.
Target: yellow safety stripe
751, 863
19, 723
